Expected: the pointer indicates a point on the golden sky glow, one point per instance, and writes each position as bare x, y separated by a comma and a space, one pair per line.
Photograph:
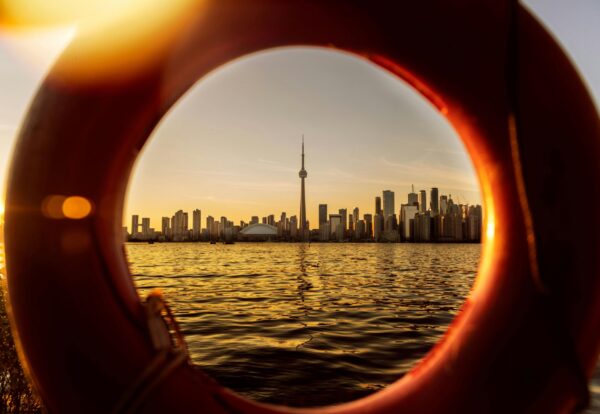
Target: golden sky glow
231, 146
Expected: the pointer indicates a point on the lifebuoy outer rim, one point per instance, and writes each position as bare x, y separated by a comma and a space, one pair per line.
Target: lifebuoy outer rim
514, 347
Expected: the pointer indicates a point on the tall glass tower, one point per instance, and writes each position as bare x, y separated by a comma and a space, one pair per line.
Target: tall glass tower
303, 227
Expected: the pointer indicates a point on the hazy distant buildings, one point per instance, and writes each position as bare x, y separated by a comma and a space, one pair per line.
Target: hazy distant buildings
443, 204
388, 203
135, 225
145, 228
435, 208
368, 226
444, 221
165, 229
344, 215
322, 214
335, 225
422, 201
413, 198
196, 220
377, 226
407, 217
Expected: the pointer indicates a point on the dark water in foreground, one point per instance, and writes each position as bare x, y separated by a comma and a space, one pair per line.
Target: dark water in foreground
308, 325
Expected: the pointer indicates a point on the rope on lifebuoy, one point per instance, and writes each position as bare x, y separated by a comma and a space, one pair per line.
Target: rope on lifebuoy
168, 340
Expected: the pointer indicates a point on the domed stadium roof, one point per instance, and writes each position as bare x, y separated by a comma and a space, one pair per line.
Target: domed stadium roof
259, 229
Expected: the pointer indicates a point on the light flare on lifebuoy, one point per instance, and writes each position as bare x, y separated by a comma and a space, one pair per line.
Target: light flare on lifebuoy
111, 39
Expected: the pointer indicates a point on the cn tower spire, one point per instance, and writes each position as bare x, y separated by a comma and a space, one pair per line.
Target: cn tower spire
302, 151
303, 174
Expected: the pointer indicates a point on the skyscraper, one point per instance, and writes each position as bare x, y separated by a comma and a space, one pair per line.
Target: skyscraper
413, 198
145, 228
343, 212
322, 214
443, 204
210, 224
165, 227
135, 219
435, 206
378, 209
388, 203
196, 217
355, 216
303, 174
368, 225
422, 201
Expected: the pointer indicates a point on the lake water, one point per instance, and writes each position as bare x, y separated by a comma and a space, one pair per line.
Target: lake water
308, 325
300, 325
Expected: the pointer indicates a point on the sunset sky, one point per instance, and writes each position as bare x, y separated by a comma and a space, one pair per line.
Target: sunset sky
231, 145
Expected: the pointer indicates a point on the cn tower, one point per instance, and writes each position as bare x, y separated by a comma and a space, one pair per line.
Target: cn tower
303, 174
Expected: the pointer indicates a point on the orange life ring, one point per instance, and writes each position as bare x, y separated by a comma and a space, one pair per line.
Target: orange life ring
528, 337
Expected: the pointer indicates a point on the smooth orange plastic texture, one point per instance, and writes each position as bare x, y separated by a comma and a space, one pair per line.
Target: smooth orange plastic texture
513, 349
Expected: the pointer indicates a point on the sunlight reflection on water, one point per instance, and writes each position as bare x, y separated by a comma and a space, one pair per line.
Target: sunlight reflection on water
308, 325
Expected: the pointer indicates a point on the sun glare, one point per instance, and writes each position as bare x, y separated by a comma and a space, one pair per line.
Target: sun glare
111, 35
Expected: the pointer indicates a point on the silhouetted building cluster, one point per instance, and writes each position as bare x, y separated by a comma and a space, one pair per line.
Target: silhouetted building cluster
416, 221
442, 220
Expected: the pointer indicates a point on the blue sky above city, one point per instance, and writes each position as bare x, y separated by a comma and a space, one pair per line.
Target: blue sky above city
231, 145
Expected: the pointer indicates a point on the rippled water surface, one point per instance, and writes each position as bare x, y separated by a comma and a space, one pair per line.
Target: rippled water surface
308, 325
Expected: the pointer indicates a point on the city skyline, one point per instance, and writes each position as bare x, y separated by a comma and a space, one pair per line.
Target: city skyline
442, 220
231, 142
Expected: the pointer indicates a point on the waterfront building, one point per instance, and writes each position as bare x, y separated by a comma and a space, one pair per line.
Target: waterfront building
294, 227
413, 198
134, 225
377, 226
422, 227
253, 232
179, 226
351, 223
443, 204
388, 203
474, 223
334, 220
355, 215
322, 214
210, 227
303, 174
215, 230
145, 228
368, 226
324, 232
422, 201
222, 226
344, 215
254, 220
359, 231
165, 227
435, 208
196, 220
407, 213
378, 209
390, 224
271, 220
339, 233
